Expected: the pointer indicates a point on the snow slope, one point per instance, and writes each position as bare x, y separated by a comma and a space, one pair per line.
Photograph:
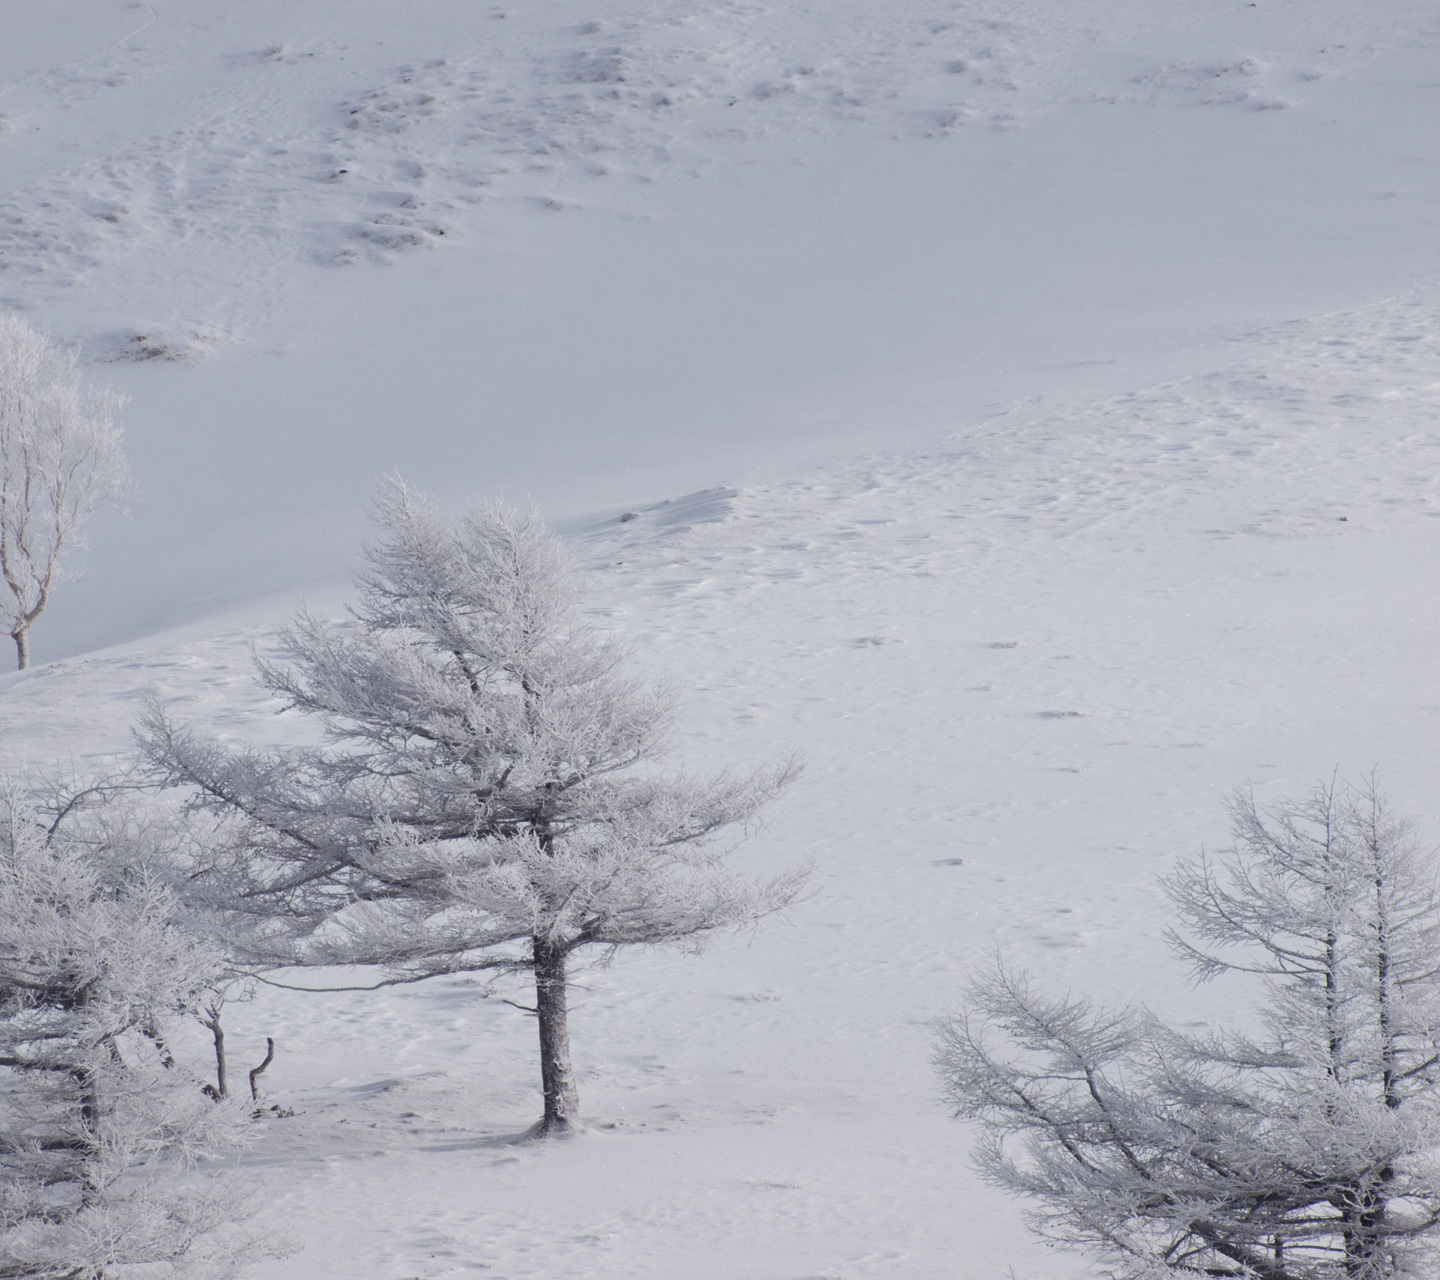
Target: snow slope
683, 244
1026, 663
1048, 477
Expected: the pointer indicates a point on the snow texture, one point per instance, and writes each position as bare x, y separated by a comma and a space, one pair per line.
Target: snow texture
1057, 393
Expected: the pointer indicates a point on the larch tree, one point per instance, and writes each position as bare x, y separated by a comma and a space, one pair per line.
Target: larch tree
102, 1122
60, 462
490, 798
1304, 1152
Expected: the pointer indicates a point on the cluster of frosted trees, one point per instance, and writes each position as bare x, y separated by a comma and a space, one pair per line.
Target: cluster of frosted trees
491, 799
102, 1122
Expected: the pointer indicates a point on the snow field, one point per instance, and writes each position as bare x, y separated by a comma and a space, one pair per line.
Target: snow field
1025, 664
1020, 502
682, 245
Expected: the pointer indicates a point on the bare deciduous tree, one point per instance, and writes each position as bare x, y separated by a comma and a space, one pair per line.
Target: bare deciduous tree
60, 461
490, 800
1304, 1153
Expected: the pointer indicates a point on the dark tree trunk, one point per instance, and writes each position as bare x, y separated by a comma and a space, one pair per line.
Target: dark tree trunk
562, 1099
255, 1071
221, 1087
22, 648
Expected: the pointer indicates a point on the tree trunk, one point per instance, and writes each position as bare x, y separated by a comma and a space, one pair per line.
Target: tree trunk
22, 648
562, 1099
255, 1071
222, 1080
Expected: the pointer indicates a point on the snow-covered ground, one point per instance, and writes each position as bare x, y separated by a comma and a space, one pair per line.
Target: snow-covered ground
1056, 388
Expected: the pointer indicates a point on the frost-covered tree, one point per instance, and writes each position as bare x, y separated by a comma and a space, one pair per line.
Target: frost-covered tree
101, 1122
489, 799
1304, 1151
60, 462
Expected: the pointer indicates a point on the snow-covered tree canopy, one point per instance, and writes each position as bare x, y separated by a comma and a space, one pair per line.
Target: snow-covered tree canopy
101, 1121
60, 461
489, 798
1305, 1154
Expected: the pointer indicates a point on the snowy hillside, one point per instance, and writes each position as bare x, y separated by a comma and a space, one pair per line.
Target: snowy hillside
1057, 393
683, 245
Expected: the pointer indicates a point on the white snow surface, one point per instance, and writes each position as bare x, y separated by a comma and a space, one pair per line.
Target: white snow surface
1056, 388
